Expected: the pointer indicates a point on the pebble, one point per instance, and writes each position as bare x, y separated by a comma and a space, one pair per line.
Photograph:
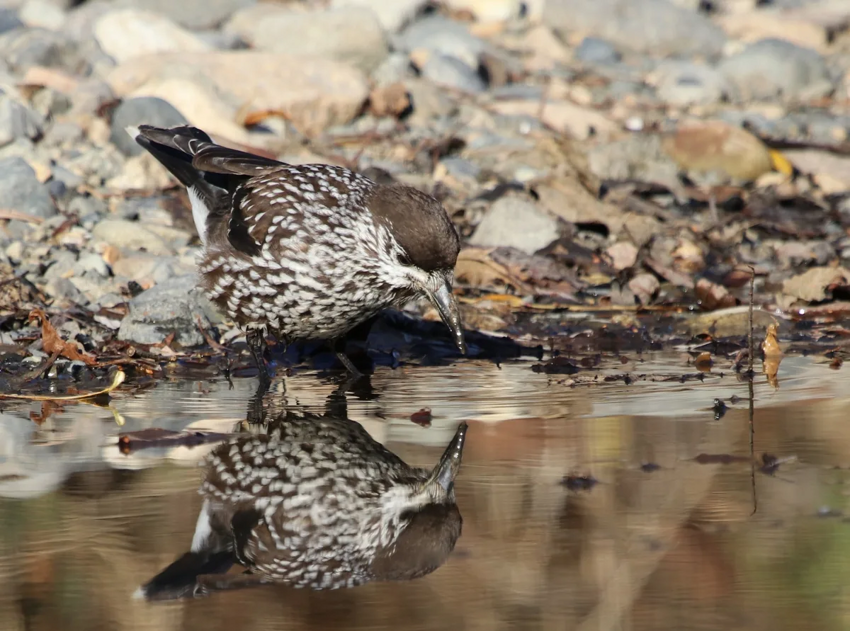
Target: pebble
452, 72
130, 235
194, 14
18, 121
775, 68
649, 26
358, 37
41, 14
687, 83
9, 20
392, 14
446, 37
145, 110
214, 88
518, 223
128, 33
593, 50
20, 189
172, 306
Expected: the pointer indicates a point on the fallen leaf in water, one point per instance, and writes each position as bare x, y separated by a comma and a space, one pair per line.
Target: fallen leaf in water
771, 369
579, 482
835, 364
770, 346
52, 343
559, 365
422, 417
719, 408
703, 362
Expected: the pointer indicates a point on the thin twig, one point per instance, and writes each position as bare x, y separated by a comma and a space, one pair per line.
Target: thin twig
751, 393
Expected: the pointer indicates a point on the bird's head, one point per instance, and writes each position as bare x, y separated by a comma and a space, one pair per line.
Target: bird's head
427, 518
422, 253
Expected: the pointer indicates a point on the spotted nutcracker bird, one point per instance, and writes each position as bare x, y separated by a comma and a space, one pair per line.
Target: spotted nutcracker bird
315, 503
308, 251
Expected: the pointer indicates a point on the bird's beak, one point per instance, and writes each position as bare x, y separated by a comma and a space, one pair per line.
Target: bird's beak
446, 471
446, 305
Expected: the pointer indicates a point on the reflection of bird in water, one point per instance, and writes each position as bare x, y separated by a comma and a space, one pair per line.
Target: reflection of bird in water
315, 502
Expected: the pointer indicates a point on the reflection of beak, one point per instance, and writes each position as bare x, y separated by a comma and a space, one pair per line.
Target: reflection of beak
446, 471
446, 305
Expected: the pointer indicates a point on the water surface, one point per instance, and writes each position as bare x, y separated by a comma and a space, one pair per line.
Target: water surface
683, 545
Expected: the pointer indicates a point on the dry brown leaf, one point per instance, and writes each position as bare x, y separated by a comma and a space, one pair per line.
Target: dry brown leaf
713, 296
770, 346
477, 269
814, 284
51, 342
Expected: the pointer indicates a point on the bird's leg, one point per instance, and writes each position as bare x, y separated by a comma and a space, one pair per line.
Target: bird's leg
256, 414
359, 333
256, 339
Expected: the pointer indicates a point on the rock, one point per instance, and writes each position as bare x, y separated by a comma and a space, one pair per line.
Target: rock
9, 20
24, 48
761, 23
392, 14
141, 111
488, 10
18, 121
593, 50
637, 157
41, 14
127, 33
452, 72
214, 89
173, 306
446, 37
775, 68
649, 26
581, 122
623, 255
142, 172
193, 14
20, 189
129, 235
358, 38
686, 83
821, 163
718, 152
518, 223
395, 68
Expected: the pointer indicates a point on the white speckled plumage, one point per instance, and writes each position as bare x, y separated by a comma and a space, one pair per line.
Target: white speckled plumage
307, 251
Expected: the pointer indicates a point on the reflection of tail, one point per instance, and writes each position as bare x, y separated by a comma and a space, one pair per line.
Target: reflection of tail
211, 553
180, 578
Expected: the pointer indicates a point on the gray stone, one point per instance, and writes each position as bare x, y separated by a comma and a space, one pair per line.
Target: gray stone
687, 83
171, 306
650, 26
90, 262
18, 121
129, 235
9, 20
452, 72
358, 38
42, 13
62, 261
593, 50
443, 36
392, 14
21, 190
65, 292
144, 110
193, 14
24, 48
773, 68
518, 223
395, 68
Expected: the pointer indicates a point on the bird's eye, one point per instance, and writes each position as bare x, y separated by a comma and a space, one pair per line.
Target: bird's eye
404, 259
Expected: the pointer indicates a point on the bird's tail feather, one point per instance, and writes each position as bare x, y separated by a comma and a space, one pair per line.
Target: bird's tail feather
180, 579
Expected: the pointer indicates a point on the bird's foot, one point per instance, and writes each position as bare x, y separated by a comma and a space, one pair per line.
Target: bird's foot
256, 339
